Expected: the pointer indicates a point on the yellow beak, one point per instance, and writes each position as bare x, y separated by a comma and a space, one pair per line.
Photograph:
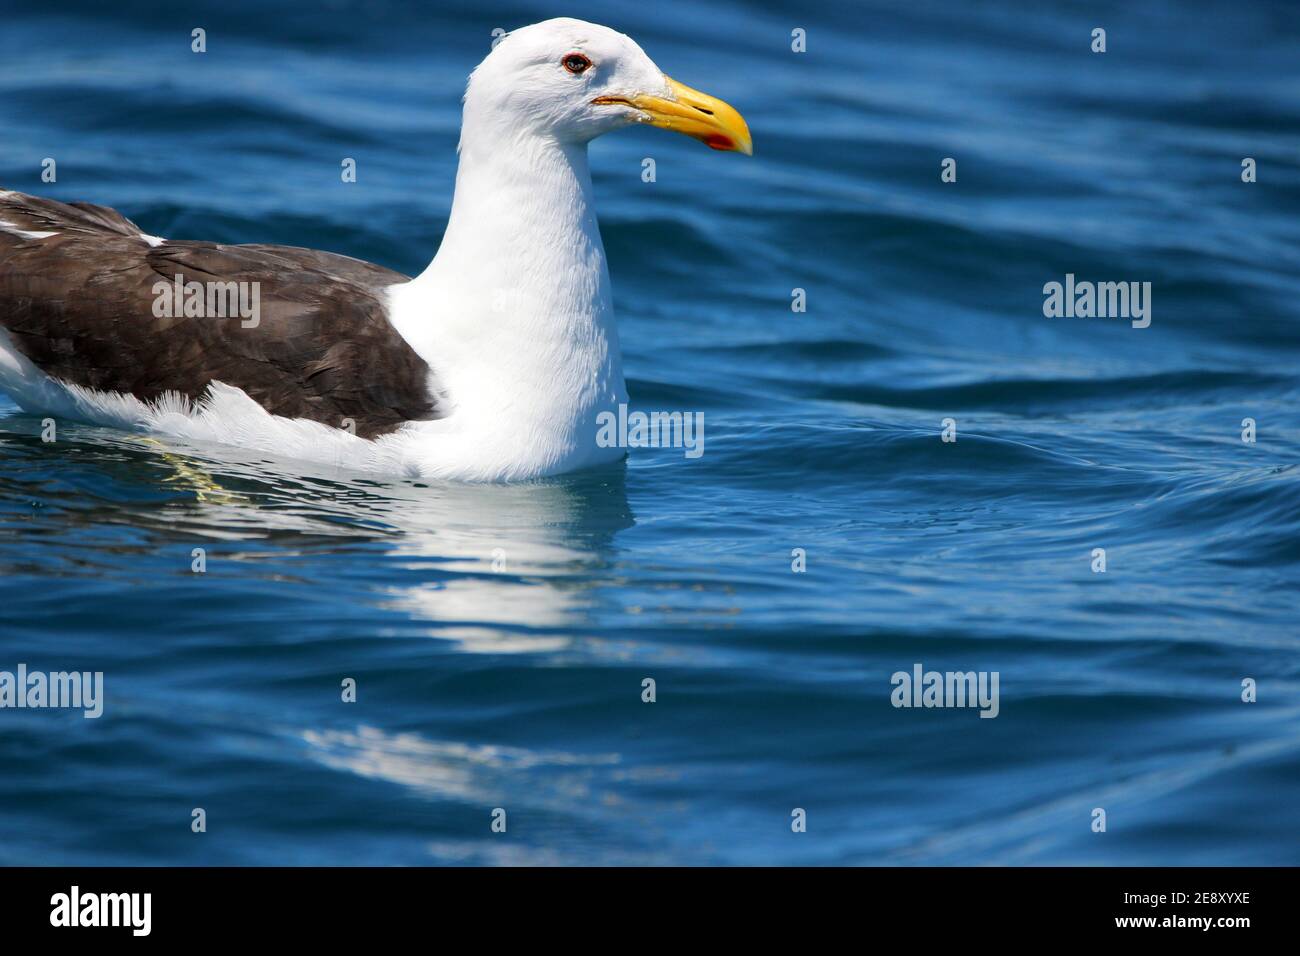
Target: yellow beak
696, 114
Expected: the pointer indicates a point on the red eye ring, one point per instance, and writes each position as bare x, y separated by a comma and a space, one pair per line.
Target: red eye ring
576, 63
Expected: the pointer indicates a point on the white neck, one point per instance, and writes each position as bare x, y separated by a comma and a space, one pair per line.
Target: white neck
514, 314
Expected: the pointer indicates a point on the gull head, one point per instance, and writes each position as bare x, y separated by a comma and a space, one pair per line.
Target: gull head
573, 81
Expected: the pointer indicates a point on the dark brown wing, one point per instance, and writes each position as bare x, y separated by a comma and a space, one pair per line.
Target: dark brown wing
83, 305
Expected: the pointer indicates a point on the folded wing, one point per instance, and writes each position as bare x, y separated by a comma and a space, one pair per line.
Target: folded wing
80, 289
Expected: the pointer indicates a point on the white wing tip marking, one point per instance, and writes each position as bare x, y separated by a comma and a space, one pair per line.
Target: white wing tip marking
13, 230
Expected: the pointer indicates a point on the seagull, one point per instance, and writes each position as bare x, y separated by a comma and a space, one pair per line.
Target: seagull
493, 364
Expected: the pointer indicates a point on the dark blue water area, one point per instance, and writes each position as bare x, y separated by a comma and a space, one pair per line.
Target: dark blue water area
500, 635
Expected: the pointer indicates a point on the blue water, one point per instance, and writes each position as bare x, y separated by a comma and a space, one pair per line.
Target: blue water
520, 687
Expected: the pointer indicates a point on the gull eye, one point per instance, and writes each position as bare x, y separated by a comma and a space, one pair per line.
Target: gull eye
576, 63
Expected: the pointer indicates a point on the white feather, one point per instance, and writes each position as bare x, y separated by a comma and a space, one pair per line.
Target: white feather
13, 230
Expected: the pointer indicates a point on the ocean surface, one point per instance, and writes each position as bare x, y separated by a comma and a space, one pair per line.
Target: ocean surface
499, 636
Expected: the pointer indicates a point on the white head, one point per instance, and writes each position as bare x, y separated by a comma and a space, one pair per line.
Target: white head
572, 81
